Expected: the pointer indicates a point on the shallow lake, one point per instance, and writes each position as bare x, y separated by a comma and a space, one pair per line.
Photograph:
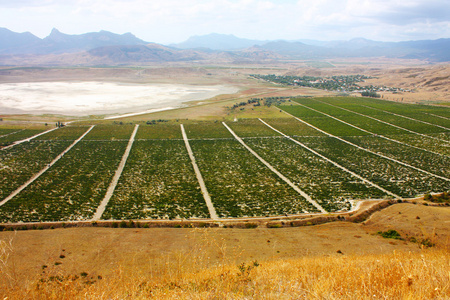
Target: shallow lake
90, 98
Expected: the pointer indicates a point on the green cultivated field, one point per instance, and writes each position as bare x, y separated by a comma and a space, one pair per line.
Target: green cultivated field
159, 183
9, 136
404, 151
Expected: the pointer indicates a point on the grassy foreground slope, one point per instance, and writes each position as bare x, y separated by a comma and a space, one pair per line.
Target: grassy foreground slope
338, 260
389, 276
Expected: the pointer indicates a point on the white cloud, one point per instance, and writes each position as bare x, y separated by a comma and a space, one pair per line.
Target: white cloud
174, 20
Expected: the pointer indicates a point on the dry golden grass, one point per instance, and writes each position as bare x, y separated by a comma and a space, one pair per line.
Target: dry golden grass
404, 275
339, 260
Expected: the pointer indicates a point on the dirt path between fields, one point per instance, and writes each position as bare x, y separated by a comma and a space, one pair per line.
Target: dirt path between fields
209, 204
1, 136
36, 176
442, 117
375, 134
112, 186
333, 162
28, 139
409, 118
365, 149
410, 131
285, 179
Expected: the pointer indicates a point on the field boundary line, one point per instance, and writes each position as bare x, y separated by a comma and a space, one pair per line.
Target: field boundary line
11, 133
409, 118
402, 128
201, 182
333, 162
438, 116
28, 139
284, 178
37, 175
370, 151
387, 123
112, 186
372, 133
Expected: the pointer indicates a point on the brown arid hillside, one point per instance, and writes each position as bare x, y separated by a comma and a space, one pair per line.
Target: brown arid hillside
339, 260
429, 82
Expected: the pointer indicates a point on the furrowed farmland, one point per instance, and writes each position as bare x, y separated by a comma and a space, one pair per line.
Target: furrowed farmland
320, 156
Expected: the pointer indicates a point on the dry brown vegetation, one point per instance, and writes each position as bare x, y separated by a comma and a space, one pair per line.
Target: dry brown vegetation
390, 276
337, 260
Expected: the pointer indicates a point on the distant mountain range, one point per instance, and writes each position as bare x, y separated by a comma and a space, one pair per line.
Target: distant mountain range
58, 42
107, 48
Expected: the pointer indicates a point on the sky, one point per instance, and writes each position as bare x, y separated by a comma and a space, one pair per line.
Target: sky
174, 21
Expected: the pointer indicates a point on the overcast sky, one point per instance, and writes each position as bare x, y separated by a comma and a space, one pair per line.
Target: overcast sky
172, 21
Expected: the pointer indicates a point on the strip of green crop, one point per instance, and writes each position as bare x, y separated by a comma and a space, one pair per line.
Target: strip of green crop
330, 186
292, 127
425, 117
112, 185
158, 182
72, 189
251, 128
409, 123
67, 133
433, 163
409, 186
423, 142
435, 115
431, 142
323, 122
19, 135
19, 163
275, 171
418, 158
418, 112
198, 174
240, 185
8, 131
206, 130
394, 177
159, 131
110, 132
373, 108
406, 109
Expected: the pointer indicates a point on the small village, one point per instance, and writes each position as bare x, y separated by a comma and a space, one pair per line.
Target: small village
342, 83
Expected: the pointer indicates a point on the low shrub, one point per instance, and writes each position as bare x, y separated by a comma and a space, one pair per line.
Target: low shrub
390, 234
274, 225
251, 225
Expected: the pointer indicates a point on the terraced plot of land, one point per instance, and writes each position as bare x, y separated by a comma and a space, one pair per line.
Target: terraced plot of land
324, 154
